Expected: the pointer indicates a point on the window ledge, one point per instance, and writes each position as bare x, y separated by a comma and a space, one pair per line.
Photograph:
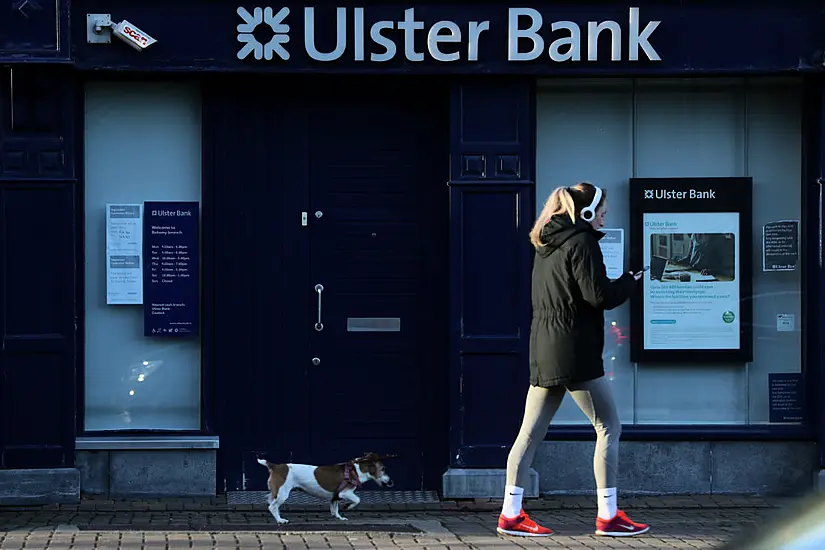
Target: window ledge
149, 442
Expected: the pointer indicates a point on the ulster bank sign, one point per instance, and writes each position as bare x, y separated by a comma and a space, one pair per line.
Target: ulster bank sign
276, 34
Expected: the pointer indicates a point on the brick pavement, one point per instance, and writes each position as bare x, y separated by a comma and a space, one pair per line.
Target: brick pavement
677, 522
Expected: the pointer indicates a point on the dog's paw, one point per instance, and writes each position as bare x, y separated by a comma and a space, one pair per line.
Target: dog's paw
342, 518
282, 521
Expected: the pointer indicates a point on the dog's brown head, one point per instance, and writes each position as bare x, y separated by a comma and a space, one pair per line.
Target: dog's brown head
372, 465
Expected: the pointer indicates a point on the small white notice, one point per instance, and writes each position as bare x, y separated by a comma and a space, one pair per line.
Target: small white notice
785, 322
124, 254
612, 245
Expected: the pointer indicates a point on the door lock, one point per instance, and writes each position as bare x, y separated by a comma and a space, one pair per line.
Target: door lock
316, 361
318, 214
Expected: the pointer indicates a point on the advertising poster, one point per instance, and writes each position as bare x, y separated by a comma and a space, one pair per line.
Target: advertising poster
171, 275
694, 300
691, 294
124, 254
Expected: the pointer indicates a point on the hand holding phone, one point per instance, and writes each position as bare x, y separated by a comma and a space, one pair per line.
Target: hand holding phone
638, 275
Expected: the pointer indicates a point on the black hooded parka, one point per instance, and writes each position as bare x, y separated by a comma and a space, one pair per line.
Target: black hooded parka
571, 291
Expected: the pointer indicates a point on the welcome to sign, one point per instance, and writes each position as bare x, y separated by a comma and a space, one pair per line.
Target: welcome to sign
357, 38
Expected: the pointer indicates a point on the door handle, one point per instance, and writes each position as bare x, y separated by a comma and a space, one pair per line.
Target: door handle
319, 326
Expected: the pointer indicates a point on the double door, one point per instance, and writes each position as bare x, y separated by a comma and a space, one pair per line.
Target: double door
330, 281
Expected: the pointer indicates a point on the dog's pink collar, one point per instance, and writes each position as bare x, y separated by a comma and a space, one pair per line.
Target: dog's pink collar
351, 479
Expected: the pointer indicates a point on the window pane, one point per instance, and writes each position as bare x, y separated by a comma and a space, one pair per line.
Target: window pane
585, 134
143, 142
690, 130
608, 132
775, 162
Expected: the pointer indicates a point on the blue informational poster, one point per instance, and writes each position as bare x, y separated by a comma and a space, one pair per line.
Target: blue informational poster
171, 272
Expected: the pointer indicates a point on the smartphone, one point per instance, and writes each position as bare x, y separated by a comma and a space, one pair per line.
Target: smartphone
645, 268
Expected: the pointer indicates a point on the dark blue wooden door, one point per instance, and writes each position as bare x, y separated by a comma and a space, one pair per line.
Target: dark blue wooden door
257, 264
37, 324
378, 198
369, 169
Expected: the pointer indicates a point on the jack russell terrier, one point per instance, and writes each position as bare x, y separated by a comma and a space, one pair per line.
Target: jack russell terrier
331, 483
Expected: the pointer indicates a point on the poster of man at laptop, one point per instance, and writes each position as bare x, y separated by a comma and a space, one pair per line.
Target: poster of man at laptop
692, 257
701, 249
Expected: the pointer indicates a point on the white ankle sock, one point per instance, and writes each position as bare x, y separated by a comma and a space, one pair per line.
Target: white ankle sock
607, 503
512, 501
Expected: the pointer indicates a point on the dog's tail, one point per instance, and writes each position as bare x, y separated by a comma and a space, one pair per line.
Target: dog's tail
263, 463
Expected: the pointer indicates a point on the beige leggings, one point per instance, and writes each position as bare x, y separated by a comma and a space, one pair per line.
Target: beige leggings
596, 402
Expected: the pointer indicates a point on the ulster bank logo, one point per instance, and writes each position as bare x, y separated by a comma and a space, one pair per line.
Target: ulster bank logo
680, 194
252, 21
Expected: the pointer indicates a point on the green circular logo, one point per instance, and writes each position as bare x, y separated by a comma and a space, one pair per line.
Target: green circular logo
728, 317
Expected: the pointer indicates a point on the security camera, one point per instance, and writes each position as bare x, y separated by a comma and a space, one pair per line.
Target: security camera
132, 35
99, 28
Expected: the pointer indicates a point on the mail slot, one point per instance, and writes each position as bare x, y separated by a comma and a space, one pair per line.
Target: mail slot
374, 324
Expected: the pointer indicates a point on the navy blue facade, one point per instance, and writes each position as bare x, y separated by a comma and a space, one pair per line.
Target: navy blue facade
489, 204
491, 211
34, 32
39, 272
733, 37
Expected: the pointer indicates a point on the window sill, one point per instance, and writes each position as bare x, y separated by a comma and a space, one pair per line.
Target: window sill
145, 443
713, 432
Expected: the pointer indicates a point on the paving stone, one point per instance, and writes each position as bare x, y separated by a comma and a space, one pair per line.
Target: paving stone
701, 522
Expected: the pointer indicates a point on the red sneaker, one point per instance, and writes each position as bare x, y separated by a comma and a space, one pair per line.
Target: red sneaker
620, 526
521, 526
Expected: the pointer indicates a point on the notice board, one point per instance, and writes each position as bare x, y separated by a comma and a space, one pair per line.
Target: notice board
786, 393
124, 254
171, 275
694, 303
780, 245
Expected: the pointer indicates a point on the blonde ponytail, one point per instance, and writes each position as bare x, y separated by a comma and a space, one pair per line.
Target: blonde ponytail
559, 202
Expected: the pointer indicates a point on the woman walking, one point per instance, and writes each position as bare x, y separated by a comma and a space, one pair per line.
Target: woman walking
570, 291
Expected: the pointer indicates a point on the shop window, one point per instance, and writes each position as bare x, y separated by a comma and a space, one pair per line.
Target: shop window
142, 143
611, 130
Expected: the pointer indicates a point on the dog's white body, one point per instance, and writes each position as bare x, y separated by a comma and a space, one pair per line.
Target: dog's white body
303, 477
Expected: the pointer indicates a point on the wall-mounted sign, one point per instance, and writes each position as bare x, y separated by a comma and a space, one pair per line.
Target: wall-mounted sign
124, 254
171, 273
355, 36
612, 245
785, 322
786, 397
780, 245
490, 38
694, 302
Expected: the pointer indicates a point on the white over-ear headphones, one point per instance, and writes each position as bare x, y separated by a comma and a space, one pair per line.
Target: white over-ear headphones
588, 213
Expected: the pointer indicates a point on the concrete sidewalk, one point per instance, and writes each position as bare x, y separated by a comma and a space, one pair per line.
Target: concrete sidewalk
676, 522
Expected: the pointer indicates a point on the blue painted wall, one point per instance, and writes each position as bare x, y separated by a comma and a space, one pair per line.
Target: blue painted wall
38, 267
491, 211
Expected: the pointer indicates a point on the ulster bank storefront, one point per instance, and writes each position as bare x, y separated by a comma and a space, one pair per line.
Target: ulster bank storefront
301, 232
